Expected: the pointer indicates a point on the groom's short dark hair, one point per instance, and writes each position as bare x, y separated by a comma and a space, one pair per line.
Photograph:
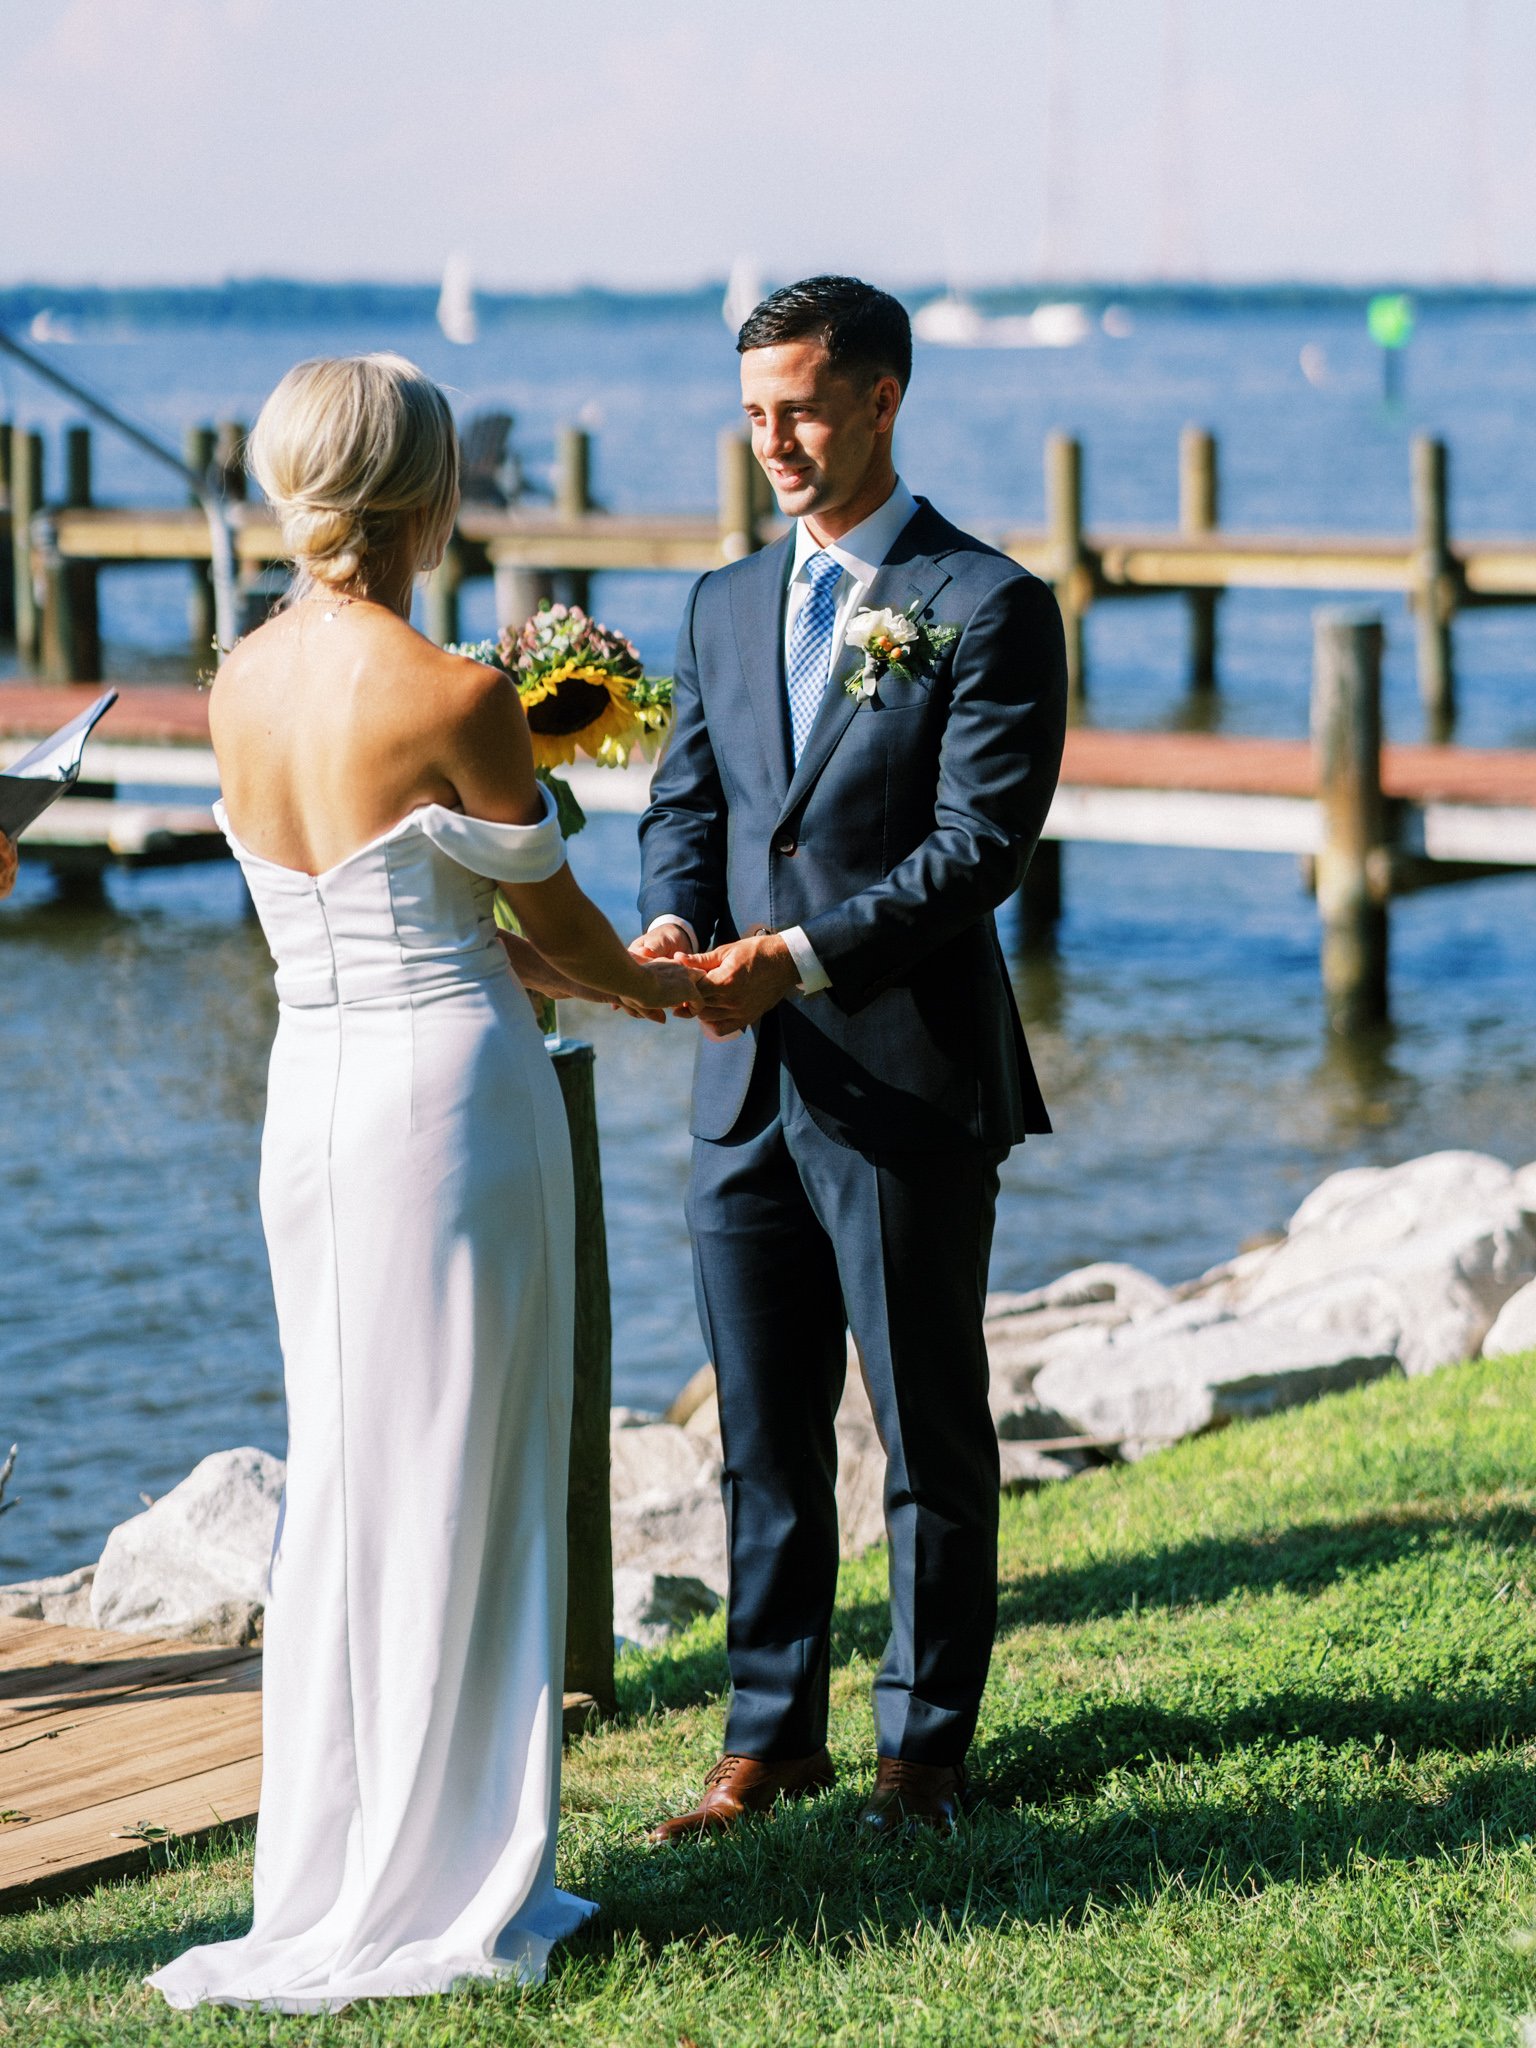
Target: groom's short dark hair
866, 331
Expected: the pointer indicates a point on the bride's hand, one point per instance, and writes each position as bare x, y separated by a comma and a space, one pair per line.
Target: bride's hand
665, 986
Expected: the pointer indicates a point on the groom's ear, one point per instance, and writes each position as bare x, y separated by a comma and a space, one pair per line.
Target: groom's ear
886, 396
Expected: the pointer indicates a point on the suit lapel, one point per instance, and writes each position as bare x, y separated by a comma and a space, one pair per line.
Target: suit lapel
757, 617
906, 577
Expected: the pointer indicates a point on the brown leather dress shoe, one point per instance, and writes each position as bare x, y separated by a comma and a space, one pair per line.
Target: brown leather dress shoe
739, 1785
923, 1795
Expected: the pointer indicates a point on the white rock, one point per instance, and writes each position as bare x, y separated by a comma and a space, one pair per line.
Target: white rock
1514, 1327
650, 1606
204, 1546
1024, 1468
1148, 1388
1418, 1258
64, 1599
679, 1535
1104, 1284
656, 1456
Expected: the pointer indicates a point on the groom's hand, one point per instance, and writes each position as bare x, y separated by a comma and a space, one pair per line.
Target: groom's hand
742, 981
662, 942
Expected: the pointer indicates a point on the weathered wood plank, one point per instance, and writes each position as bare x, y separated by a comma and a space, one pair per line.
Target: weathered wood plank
156, 1738
81, 1848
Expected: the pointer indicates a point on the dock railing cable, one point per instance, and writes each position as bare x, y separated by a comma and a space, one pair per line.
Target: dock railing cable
207, 487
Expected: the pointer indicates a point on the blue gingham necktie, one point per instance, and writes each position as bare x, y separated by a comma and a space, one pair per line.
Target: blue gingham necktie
810, 646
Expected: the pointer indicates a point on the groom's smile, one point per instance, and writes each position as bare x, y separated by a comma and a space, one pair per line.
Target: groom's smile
822, 435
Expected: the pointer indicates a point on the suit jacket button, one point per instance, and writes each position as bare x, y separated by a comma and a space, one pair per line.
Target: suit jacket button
788, 848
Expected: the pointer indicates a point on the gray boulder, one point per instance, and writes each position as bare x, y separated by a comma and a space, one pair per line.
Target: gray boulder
1024, 1331
1103, 1285
650, 1606
678, 1535
198, 1559
1417, 1259
1146, 1387
64, 1599
1514, 1327
1026, 1469
653, 1457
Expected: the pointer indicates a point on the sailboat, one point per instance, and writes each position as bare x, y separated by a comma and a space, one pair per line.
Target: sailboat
955, 321
456, 302
742, 293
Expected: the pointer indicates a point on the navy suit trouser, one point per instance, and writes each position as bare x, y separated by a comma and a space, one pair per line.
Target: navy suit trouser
798, 1238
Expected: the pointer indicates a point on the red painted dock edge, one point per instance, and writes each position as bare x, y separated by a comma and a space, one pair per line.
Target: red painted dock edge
177, 714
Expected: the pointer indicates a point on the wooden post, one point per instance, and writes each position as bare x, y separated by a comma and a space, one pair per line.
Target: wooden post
72, 618
1352, 863
202, 620
1040, 899
1434, 587
7, 583
26, 503
229, 453
519, 593
573, 500
1070, 572
589, 1529
440, 595
1200, 512
737, 473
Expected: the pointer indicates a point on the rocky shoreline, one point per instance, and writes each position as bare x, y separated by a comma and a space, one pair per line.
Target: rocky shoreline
1381, 1270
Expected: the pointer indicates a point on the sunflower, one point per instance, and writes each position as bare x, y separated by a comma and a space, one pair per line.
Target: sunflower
583, 687
580, 707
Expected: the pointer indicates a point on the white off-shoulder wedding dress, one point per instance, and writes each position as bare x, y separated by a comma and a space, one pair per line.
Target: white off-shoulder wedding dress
416, 1195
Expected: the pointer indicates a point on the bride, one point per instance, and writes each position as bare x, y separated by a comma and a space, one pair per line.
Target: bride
416, 1197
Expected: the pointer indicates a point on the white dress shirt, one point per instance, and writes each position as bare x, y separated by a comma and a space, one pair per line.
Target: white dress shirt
859, 553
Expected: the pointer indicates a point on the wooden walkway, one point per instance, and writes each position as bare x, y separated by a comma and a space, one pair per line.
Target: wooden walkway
112, 1744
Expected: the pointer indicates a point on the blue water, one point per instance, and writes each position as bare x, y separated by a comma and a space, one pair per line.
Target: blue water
1177, 1031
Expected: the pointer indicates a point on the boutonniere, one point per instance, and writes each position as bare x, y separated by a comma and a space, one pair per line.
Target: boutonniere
896, 644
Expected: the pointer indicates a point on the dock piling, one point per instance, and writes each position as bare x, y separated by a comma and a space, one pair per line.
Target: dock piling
1070, 573
71, 626
26, 503
1435, 587
1200, 512
1352, 871
737, 471
198, 448
1040, 899
589, 1528
573, 500
7, 583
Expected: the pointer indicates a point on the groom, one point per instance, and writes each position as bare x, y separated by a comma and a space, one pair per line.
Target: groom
835, 859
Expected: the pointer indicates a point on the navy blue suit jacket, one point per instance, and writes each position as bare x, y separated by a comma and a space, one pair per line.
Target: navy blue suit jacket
906, 822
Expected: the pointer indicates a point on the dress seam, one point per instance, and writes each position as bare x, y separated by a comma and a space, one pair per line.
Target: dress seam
341, 1382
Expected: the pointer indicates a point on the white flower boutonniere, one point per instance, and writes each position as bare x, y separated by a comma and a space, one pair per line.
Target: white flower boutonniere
896, 644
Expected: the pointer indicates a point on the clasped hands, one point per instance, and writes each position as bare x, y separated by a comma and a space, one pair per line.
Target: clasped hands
733, 985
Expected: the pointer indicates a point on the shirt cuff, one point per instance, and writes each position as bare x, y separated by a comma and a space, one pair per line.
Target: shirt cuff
813, 976
672, 917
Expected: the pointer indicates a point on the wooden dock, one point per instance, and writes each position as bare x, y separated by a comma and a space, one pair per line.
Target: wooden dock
61, 541
112, 1746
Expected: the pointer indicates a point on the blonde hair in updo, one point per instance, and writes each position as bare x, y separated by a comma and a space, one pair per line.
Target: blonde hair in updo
350, 450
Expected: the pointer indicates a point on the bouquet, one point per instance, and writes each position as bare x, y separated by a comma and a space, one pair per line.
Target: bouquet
584, 689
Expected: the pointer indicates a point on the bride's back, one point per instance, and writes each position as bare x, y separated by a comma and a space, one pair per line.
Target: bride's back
335, 719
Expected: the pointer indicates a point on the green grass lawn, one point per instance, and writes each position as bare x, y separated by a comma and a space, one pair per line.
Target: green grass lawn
1259, 1740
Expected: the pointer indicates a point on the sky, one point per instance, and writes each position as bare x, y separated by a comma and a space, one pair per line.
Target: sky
648, 143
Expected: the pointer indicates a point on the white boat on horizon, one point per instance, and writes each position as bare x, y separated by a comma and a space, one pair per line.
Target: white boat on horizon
955, 321
456, 302
743, 292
